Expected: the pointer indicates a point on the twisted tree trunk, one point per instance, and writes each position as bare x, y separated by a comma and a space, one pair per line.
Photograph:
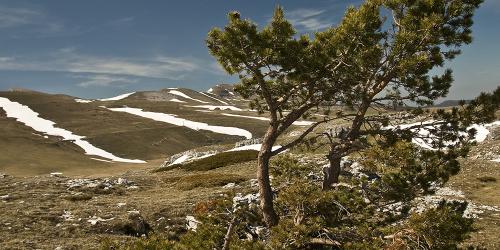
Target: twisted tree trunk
265, 190
332, 172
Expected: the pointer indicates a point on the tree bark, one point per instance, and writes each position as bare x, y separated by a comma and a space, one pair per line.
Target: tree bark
332, 172
265, 190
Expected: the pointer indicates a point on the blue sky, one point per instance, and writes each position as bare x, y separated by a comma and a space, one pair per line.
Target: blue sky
96, 48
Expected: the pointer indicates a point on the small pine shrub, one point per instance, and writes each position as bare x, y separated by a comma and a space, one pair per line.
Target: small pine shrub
443, 227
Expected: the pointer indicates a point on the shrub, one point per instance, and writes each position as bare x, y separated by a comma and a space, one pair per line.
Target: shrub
155, 242
443, 227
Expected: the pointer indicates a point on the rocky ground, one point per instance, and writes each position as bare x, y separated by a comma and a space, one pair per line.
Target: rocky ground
59, 212
67, 212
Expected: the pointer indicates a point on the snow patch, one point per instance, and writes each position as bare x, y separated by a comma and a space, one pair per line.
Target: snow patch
223, 102
178, 93
176, 100
116, 98
30, 118
252, 147
167, 118
83, 100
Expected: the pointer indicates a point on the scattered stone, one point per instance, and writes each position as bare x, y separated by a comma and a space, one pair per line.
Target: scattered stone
192, 223
94, 220
248, 142
56, 174
240, 200
67, 216
314, 177
102, 183
121, 181
121, 204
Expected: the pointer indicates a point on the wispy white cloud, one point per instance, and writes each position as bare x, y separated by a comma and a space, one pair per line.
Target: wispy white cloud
308, 19
34, 19
103, 80
69, 60
12, 17
6, 59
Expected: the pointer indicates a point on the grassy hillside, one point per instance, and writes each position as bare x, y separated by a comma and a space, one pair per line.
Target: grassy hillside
122, 134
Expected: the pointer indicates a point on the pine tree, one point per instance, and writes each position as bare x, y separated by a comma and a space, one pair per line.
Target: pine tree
381, 45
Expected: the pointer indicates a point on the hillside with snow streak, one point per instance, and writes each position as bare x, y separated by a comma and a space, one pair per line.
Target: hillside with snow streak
171, 119
25, 115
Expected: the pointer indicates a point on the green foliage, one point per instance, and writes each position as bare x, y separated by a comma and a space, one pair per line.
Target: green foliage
215, 216
380, 53
443, 227
154, 242
215, 161
408, 171
207, 180
310, 215
286, 169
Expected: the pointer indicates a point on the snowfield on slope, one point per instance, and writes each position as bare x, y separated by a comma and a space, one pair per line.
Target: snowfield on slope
176, 100
171, 119
223, 102
190, 156
83, 100
116, 98
253, 147
30, 118
180, 94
